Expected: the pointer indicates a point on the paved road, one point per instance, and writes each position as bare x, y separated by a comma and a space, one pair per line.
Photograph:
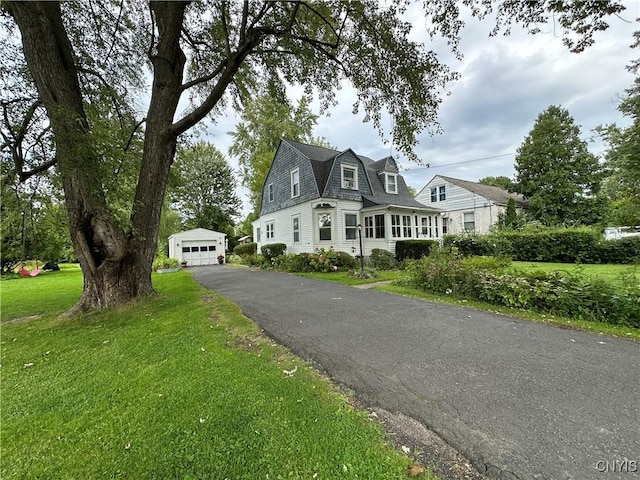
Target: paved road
519, 399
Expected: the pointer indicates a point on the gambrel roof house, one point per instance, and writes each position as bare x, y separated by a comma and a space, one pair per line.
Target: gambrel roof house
465, 205
316, 197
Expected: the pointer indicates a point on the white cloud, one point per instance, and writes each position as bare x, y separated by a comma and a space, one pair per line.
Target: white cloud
506, 82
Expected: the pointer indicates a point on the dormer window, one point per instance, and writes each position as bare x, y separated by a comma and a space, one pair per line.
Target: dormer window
391, 181
295, 183
349, 177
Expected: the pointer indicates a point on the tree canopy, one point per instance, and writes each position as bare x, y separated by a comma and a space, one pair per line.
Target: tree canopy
622, 185
78, 90
265, 121
205, 194
500, 181
557, 173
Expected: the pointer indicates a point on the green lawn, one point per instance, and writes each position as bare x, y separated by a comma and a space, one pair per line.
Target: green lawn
615, 274
180, 385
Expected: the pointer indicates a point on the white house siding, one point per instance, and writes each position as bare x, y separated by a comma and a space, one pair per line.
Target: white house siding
458, 202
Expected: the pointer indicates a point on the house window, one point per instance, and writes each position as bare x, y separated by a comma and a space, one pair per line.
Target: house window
445, 226
270, 230
349, 177
424, 224
406, 226
392, 183
270, 192
379, 226
295, 183
435, 224
324, 226
350, 226
443, 193
296, 228
434, 194
368, 227
469, 221
258, 234
395, 226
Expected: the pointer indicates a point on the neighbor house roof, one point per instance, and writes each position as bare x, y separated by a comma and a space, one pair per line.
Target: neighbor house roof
322, 160
497, 195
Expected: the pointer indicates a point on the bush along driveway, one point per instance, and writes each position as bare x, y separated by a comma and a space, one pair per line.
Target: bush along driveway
520, 399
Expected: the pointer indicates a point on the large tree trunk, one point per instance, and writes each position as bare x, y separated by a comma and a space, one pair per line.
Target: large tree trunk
116, 264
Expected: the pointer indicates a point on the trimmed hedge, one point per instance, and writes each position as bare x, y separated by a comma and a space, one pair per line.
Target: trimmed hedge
549, 245
413, 249
273, 250
246, 249
382, 259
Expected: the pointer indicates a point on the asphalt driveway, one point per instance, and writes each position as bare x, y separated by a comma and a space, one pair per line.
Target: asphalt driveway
519, 399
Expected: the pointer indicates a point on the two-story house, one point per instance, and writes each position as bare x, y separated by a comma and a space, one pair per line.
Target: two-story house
316, 197
467, 206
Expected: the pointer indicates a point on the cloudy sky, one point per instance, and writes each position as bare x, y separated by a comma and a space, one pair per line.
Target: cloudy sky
505, 83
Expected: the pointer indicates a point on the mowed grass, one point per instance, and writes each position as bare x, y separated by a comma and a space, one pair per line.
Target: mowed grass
614, 274
180, 385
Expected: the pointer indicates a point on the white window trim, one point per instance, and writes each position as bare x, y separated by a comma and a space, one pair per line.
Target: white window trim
294, 172
293, 230
270, 194
270, 235
344, 218
344, 185
387, 176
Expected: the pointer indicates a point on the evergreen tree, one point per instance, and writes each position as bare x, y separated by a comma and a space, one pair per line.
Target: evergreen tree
557, 173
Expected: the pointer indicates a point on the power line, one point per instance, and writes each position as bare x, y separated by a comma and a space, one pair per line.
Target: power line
461, 162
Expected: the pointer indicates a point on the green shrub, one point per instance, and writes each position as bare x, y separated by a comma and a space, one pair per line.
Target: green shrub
162, 262
571, 295
413, 249
382, 259
621, 250
345, 261
252, 260
243, 249
291, 262
487, 263
470, 244
273, 250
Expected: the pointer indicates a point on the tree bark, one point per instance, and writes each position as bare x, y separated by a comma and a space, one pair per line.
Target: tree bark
116, 265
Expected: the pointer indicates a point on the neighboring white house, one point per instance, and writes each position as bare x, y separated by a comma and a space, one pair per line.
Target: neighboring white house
466, 206
316, 197
198, 246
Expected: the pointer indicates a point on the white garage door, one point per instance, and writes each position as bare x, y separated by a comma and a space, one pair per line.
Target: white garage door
201, 252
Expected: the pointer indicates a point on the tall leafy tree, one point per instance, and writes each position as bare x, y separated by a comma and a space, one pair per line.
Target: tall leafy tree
500, 181
205, 195
622, 185
557, 173
76, 56
265, 121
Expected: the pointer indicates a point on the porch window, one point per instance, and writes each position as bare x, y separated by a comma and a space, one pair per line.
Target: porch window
445, 226
258, 234
392, 183
368, 227
443, 193
424, 230
469, 221
324, 226
295, 183
434, 195
406, 226
395, 226
350, 226
296, 228
380, 233
349, 177
270, 226
435, 224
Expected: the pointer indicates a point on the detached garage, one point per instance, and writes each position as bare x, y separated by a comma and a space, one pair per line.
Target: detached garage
197, 247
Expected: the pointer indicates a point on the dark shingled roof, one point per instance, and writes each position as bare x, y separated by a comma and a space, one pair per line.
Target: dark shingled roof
496, 194
322, 161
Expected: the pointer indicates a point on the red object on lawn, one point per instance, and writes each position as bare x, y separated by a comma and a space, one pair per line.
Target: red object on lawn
26, 273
